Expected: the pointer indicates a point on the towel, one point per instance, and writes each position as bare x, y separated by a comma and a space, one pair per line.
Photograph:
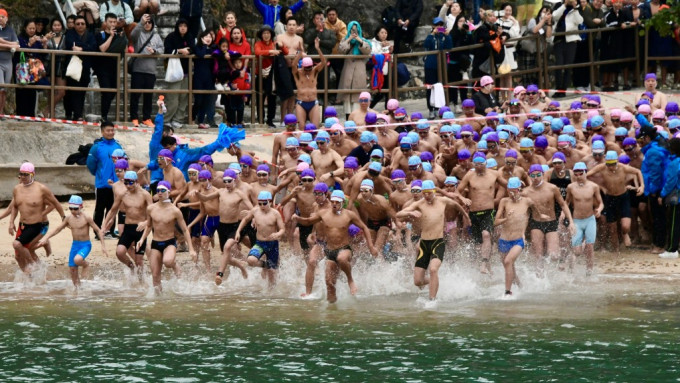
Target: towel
437, 97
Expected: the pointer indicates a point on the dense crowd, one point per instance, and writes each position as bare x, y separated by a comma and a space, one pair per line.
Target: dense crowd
123, 26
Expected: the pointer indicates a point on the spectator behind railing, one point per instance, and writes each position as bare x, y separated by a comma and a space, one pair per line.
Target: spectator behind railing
78, 40
487, 32
568, 19
203, 76
178, 42
511, 27
380, 45
267, 49
122, 13
354, 70
459, 62
612, 45
659, 46
26, 96
8, 41
629, 36
229, 24
146, 7
593, 17
437, 40
542, 25
56, 41
110, 39
145, 41
272, 11
449, 12
191, 11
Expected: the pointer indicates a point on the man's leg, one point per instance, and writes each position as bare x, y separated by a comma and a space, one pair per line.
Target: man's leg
485, 251
344, 262
552, 244
301, 115
122, 255
509, 266
169, 259
434, 266
331, 279
312, 261
155, 264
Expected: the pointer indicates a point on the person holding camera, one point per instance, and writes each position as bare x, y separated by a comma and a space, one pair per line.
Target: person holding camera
110, 39
541, 25
437, 40
612, 45
459, 62
568, 19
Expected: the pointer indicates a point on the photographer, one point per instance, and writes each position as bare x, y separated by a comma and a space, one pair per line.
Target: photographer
568, 19
110, 39
437, 40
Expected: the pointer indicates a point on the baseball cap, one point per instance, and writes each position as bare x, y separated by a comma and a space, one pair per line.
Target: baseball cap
437, 20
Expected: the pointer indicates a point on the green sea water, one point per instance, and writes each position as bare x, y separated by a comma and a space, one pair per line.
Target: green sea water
610, 328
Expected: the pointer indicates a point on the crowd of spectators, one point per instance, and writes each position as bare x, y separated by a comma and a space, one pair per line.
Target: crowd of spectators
120, 26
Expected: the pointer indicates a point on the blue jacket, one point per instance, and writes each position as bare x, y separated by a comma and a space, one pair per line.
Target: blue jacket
271, 14
155, 147
100, 164
183, 157
438, 42
671, 176
656, 159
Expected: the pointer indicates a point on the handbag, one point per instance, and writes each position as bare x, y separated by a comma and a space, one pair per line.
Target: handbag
174, 73
22, 73
131, 61
75, 68
528, 45
505, 68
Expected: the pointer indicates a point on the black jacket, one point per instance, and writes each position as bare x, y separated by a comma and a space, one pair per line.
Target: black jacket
409, 10
175, 41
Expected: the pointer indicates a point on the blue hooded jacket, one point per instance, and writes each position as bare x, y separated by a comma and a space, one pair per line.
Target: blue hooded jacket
438, 42
155, 147
183, 157
671, 176
656, 159
100, 164
272, 14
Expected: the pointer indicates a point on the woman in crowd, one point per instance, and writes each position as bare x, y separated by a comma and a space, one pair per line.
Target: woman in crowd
238, 43
487, 32
79, 39
55, 41
179, 42
567, 19
267, 49
612, 45
354, 71
510, 26
203, 76
380, 45
449, 12
26, 96
459, 62
229, 24
540, 25
145, 41
280, 24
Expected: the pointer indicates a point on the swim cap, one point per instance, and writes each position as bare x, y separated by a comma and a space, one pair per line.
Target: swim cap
366, 137
365, 95
205, 174
400, 113
626, 116
166, 154
353, 230
569, 129
491, 163
481, 145
426, 156
611, 157
598, 147
446, 129
503, 136
338, 196
163, 185
559, 156
321, 187
422, 124
580, 166
264, 196
75, 200
448, 115
415, 116
514, 183
118, 153
532, 88
621, 132
672, 107
246, 160
309, 127
537, 128
292, 142
330, 112
674, 123
305, 138
468, 103
230, 174
304, 157
629, 141
644, 108
541, 142
535, 168
383, 117
327, 123
351, 163
290, 119
492, 137
464, 154
375, 166
576, 105
479, 158
350, 126
260, 168
414, 161
659, 114
130, 175
398, 174
427, 166
562, 139
308, 173
371, 118
451, 180
377, 153
323, 136
556, 125
417, 184
511, 153
428, 185
486, 80
121, 164
235, 167
392, 104
301, 166
367, 183
526, 143
547, 118
206, 159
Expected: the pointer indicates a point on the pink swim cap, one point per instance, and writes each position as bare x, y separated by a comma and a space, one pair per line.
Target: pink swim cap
302, 166
615, 113
27, 167
307, 62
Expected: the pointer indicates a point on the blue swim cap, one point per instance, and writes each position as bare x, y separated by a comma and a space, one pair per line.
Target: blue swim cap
611, 156
621, 132
596, 121
304, 157
130, 175
514, 183
448, 129
526, 143
350, 126
366, 137
75, 200
292, 142
338, 195
306, 138
313, 145
479, 158
568, 129
329, 122
118, 153
448, 115
367, 183
415, 138
422, 124
451, 180
414, 160
481, 145
377, 153
428, 185
375, 166
427, 166
264, 196
556, 124
537, 128
323, 136
580, 166
491, 163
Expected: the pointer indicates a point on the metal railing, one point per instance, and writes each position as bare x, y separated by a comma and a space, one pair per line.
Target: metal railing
543, 70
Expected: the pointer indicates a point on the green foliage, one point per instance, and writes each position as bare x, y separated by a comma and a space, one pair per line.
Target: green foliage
21, 9
665, 20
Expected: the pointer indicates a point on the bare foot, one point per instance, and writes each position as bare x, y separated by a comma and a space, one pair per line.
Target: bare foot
218, 280
353, 287
626, 240
244, 272
484, 269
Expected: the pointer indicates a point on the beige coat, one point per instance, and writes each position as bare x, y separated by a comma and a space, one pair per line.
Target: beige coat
354, 71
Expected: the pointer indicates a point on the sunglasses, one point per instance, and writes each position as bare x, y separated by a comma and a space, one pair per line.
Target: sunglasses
129, 182
514, 104
203, 164
612, 164
24, 174
415, 167
592, 105
321, 143
444, 136
228, 181
416, 191
74, 208
202, 179
628, 148
405, 149
525, 150
364, 100
532, 93
291, 149
335, 133
79, 24
536, 175
466, 135
579, 172
365, 190
598, 154
192, 174
373, 173
262, 174
558, 163
319, 194
511, 163
307, 179
450, 185
263, 203
376, 158
161, 190
562, 147
398, 180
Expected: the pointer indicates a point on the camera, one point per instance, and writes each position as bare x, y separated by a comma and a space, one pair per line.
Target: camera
441, 29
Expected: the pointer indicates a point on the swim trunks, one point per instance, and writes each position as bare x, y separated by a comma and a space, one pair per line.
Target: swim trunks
226, 231
162, 245
305, 232
45, 228
616, 207
121, 218
130, 235
250, 232
505, 246
375, 225
430, 249
586, 227
481, 221
27, 233
210, 225
268, 248
332, 255
196, 229
81, 248
307, 105
544, 226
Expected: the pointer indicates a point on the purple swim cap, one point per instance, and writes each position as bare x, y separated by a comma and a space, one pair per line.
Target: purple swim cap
321, 187
229, 173
263, 168
351, 163
353, 230
121, 164
535, 168
165, 184
195, 167
290, 119
206, 159
541, 142
629, 141
398, 174
466, 128
415, 116
624, 159
487, 129
165, 153
371, 118
464, 154
416, 184
426, 156
246, 160
511, 153
308, 173
559, 156
443, 110
468, 103
597, 137
330, 112
672, 107
205, 174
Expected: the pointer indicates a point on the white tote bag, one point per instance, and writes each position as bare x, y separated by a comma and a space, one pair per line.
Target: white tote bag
174, 72
75, 68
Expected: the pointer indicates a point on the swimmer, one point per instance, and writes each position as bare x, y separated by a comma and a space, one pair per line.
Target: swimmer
307, 105
207, 220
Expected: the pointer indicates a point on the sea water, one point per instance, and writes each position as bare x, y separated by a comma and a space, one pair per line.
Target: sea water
561, 327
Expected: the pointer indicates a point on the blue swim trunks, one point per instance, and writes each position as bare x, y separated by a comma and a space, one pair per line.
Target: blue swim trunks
505, 246
196, 229
81, 248
268, 248
585, 228
210, 225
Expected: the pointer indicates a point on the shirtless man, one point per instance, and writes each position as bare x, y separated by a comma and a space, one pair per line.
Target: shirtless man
476, 121
544, 236
510, 169
466, 141
320, 203
304, 201
162, 217
401, 192
585, 198
430, 211
416, 172
307, 104
207, 221
80, 224
294, 44
281, 140
230, 202
660, 99
513, 217
571, 155
536, 99
206, 163
262, 183
423, 129
616, 197
247, 165
480, 187
528, 157
327, 162
375, 210
30, 198
359, 115
448, 156
269, 230
464, 164
381, 183
638, 205
171, 174
134, 202
352, 135
337, 250
401, 155
388, 138
339, 143
194, 205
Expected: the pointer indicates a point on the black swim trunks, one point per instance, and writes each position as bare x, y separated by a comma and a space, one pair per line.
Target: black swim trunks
305, 232
616, 207
226, 231
481, 221
544, 226
332, 255
27, 233
129, 236
430, 249
162, 245
121, 217
375, 225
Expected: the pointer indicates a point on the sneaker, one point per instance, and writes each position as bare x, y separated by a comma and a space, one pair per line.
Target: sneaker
465, 76
458, 109
135, 123
149, 123
176, 124
433, 115
271, 125
203, 126
668, 255
108, 235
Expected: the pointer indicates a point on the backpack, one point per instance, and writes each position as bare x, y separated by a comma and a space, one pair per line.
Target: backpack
123, 5
389, 17
80, 157
403, 75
